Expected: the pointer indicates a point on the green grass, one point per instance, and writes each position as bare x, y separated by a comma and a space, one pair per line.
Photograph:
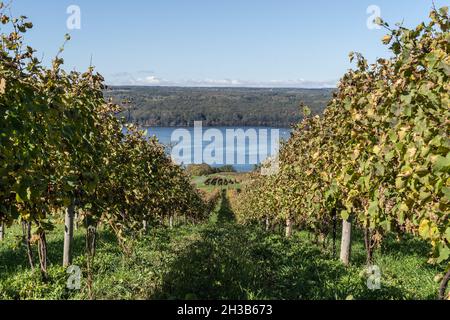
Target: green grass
220, 259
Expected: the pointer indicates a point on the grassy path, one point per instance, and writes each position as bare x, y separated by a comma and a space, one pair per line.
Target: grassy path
220, 259
230, 261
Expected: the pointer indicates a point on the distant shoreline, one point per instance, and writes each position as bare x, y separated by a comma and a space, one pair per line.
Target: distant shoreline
179, 107
124, 87
215, 127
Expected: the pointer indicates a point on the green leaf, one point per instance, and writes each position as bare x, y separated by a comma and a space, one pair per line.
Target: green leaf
444, 253
389, 156
345, 215
373, 208
442, 163
19, 199
447, 234
306, 111
400, 183
443, 11
446, 192
423, 196
380, 169
71, 183
378, 21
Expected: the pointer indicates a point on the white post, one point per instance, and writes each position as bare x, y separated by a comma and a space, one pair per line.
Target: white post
2, 231
346, 244
171, 221
68, 235
288, 227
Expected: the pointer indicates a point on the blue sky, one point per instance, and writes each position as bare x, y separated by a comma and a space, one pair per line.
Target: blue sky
282, 43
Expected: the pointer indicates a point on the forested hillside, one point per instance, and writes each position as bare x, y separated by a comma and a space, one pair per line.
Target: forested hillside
169, 106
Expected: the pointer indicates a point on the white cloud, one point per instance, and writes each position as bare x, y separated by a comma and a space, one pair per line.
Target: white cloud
213, 82
139, 78
126, 78
152, 80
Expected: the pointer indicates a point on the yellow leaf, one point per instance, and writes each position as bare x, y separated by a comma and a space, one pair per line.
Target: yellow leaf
376, 150
424, 228
387, 39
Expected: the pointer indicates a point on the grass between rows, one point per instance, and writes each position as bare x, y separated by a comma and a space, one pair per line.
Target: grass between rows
219, 259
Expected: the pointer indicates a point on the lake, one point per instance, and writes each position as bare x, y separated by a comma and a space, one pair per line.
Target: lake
241, 147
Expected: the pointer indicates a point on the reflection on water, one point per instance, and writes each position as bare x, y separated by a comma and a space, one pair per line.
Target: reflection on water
230, 150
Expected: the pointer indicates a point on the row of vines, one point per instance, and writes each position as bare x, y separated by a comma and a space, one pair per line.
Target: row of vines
64, 153
379, 157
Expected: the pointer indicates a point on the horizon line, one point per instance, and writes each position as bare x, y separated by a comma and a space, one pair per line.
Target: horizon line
214, 87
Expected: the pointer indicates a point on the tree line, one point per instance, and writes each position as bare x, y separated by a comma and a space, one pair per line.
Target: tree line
180, 107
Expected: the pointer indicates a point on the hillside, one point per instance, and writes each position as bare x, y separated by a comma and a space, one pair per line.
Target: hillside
175, 106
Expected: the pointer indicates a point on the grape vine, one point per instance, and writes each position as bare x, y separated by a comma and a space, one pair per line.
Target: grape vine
380, 154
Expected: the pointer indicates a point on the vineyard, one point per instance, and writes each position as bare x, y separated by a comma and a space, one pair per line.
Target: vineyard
379, 158
79, 186
65, 157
